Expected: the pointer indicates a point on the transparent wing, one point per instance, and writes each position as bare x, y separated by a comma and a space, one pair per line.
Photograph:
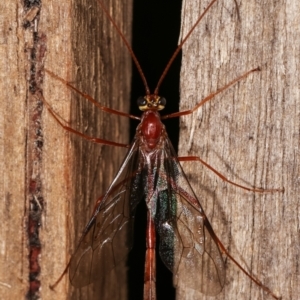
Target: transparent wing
187, 245
107, 238
198, 261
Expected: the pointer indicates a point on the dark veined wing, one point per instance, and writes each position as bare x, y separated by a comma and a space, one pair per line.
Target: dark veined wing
111, 226
187, 245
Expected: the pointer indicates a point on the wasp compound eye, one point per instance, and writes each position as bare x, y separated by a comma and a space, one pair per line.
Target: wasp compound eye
162, 101
141, 101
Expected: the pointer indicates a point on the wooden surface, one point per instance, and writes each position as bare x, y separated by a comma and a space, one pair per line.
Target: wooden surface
13, 261
249, 133
75, 41
98, 65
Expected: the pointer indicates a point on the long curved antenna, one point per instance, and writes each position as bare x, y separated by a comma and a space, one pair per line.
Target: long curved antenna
127, 46
163, 75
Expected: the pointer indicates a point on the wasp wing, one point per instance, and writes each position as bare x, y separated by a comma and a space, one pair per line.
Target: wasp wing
111, 226
187, 244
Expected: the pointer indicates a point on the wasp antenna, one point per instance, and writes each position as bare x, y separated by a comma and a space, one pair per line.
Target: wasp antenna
104, 9
163, 75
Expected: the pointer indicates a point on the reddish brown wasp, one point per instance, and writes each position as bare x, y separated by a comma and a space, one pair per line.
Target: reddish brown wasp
151, 171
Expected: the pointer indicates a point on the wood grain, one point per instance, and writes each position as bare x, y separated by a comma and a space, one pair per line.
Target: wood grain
75, 41
13, 254
249, 133
97, 63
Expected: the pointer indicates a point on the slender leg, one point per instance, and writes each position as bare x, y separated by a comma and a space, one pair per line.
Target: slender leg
150, 262
92, 100
258, 190
86, 137
209, 97
223, 249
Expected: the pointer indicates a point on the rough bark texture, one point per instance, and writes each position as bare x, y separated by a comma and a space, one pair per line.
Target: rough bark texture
51, 179
249, 133
13, 254
98, 65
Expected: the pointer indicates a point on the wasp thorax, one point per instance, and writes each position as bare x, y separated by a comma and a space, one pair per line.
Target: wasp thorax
153, 102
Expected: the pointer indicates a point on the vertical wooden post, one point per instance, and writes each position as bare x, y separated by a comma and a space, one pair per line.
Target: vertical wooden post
98, 65
13, 254
249, 133
51, 180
